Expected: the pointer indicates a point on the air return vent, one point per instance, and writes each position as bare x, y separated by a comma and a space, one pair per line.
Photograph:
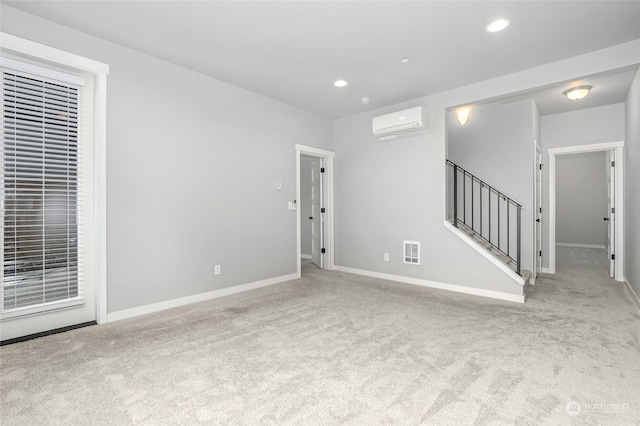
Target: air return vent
411, 252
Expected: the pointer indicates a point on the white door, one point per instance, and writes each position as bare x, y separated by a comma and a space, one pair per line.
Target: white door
316, 214
611, 216
47, 184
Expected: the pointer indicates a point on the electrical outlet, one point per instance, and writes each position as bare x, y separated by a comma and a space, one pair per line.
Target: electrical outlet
217, 270
386, 257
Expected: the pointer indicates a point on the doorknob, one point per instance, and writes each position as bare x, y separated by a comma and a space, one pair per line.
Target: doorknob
606, 218
538, 220
311, 217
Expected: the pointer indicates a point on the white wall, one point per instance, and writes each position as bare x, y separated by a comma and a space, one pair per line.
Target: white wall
192, 164
581, 194
496, 145
391, 191
304, 204
632, 188
582, 127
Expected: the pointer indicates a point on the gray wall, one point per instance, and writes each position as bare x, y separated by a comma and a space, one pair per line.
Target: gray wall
581, 194
632, 189
191, 176
305, 204
192, 166
390, 191
496, 145
583, 127
393, 191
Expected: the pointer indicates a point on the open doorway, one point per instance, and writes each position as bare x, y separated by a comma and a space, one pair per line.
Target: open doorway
586, 199
312, 210
315, 224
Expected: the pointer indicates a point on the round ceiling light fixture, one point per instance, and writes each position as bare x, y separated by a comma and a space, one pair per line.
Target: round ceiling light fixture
498, 25
340, 83
404, 60
577, 93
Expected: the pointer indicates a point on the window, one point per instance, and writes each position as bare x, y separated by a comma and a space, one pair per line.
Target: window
41, 170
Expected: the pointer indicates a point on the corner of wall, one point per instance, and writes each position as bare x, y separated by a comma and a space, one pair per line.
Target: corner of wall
632, 187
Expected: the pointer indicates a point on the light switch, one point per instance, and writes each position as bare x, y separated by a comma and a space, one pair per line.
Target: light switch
279, 186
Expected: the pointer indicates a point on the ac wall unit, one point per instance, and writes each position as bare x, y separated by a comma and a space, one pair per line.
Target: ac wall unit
389, 125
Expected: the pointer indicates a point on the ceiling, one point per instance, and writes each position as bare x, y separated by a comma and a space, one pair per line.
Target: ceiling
607, 88
293, 51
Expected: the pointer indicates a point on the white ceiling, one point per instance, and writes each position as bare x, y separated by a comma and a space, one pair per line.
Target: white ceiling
294, 50
607, 88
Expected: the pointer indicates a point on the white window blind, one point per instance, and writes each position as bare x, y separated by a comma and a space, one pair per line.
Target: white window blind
42, 198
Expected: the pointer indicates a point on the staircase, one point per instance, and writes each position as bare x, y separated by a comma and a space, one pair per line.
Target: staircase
490, 218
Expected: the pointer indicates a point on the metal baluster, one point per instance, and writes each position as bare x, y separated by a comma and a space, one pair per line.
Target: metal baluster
481, 211
473, 210
508, 226
489, 214
518, 249
455, 195
498, 194
464, 197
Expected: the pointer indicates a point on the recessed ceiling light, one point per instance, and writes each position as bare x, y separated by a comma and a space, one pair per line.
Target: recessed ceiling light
577, 93
340, 83
404, 60
498, 25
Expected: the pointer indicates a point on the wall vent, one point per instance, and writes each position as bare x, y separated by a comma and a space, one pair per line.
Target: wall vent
411, 250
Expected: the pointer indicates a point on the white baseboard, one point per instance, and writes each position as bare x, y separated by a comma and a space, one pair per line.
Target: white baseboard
201, 297
596, 246
305, 256
634, 295
434, 284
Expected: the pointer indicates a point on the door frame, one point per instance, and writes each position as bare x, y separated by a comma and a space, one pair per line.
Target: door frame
618, 155
40, 52
537, 214
328, 189
611, 218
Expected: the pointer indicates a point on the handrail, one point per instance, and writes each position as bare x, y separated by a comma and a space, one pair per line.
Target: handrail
488, 228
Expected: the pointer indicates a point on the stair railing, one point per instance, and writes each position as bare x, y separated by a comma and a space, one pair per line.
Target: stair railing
488, 213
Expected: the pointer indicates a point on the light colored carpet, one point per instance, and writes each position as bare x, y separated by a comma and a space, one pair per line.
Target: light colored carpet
584, 257
335, 348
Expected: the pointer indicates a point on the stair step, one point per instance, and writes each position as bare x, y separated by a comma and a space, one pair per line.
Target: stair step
526, 275
484, 243
468, 231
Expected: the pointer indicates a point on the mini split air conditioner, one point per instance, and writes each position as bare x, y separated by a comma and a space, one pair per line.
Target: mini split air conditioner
389, 125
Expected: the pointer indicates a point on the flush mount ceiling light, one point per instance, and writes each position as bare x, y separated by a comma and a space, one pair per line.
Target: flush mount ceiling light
498, 25
577, 93
340, 83
463, 116
404, 60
